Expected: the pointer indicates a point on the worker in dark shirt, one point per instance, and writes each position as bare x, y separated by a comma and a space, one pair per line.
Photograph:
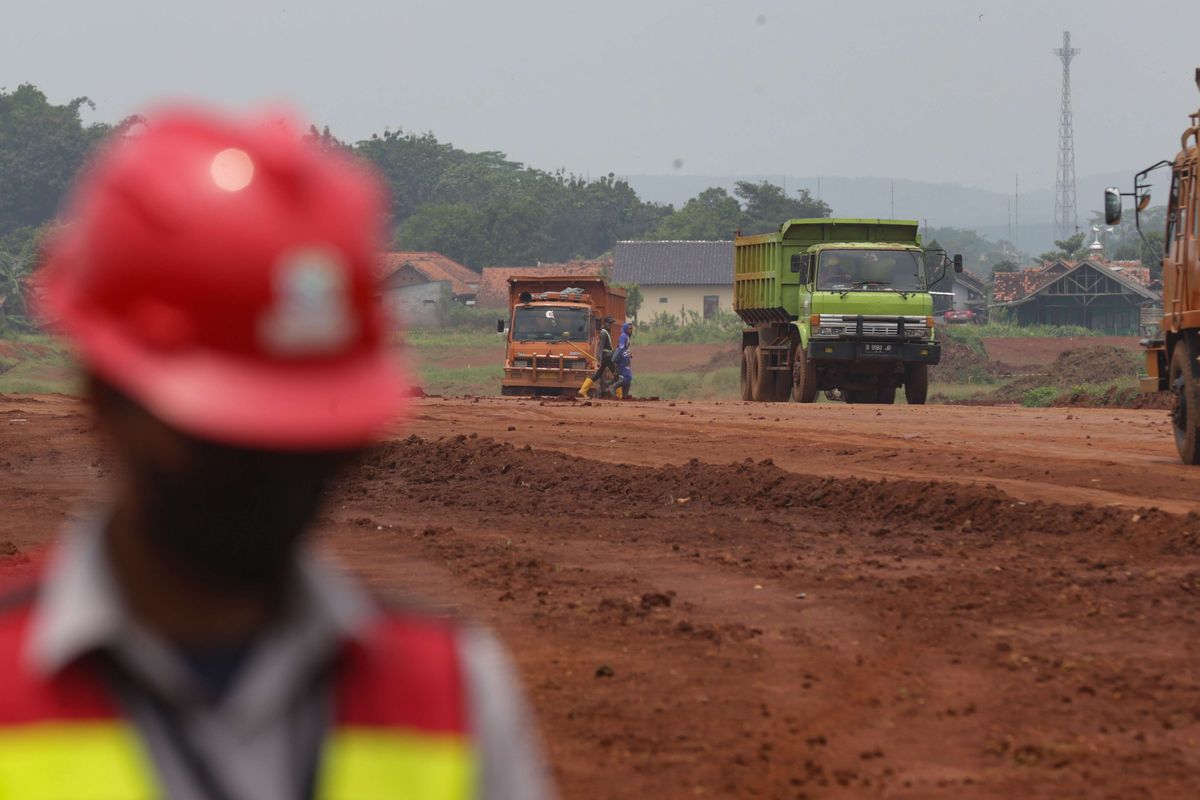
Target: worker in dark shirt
215, 278
604, 356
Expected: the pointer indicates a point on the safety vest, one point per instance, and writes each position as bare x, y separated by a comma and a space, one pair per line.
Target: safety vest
399, 728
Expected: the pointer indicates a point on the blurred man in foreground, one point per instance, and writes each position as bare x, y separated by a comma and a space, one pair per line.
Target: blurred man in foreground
215, 278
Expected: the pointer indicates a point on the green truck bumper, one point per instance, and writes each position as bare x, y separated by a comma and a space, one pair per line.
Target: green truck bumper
908, 352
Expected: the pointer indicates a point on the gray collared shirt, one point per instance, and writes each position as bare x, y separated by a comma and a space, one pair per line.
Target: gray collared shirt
259, 738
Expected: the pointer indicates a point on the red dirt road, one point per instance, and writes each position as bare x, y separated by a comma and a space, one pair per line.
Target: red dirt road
904, 602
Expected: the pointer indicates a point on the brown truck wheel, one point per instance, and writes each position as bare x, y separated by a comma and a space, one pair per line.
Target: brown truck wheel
804, 377
747, 375
1185, 416
764, 379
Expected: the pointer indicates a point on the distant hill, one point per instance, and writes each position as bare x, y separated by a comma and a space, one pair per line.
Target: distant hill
943, 204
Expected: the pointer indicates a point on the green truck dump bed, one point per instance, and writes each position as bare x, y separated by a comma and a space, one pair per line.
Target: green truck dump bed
765, 289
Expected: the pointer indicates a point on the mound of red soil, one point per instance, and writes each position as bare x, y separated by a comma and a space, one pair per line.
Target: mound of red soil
1116, 397
1095, 364
1025, 352
449, 472
962, 364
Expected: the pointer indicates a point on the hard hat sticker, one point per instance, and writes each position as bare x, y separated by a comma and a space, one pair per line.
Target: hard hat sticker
311, 314
549, 313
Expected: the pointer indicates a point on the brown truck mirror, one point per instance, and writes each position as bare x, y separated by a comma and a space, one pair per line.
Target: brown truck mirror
958, 262
499, 326
1112, 206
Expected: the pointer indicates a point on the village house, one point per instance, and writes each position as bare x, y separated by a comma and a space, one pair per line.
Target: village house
970, 292
678, 277
1091, 293
414, 286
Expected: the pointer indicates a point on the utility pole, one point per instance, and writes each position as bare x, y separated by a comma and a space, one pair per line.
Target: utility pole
1066, 221
1017, 216
893, 200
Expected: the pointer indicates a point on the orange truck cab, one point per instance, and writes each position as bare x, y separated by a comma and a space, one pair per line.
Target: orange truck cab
553, 332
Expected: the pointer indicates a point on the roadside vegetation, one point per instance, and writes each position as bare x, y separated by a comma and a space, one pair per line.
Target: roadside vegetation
722, 328
35, 364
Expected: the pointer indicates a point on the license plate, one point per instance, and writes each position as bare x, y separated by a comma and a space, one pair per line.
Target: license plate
878, 349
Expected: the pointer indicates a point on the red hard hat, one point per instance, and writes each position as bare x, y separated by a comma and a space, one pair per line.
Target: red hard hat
220, 273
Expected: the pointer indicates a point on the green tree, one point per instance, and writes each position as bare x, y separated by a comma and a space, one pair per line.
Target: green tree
711, 215
1068, 249
766, 206
1124, 243
20, 253
633, 298
42, 146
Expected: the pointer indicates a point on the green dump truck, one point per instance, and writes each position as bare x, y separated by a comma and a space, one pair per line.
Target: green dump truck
837, 305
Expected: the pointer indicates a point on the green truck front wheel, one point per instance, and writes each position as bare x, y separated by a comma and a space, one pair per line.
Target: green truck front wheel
916, 384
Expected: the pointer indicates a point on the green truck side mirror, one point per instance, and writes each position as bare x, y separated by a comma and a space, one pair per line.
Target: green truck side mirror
797, 263
1112, 206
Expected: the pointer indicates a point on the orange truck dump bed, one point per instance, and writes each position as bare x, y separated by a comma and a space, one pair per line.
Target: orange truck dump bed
553, 332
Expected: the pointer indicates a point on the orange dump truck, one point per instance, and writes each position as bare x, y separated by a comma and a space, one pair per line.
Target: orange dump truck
553, 330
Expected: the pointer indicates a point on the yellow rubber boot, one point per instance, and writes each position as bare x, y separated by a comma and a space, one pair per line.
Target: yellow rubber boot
583, 390
618, 393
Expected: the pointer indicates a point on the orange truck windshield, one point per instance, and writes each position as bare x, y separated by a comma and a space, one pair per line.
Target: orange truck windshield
550, 324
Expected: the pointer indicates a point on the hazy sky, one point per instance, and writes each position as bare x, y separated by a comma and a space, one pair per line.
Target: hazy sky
943, 90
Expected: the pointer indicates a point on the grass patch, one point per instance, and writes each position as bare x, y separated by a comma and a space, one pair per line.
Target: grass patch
461, 380
36, 364
717, 384
953, 392
447, 339
973, 335
1041, 397
663, 328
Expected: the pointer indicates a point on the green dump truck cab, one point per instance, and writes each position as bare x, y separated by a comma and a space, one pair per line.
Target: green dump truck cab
836, 305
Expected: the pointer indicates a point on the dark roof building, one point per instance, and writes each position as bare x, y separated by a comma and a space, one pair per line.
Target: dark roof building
1090, 293
674, 263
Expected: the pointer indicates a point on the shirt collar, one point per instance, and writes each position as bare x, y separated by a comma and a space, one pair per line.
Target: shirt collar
79, 608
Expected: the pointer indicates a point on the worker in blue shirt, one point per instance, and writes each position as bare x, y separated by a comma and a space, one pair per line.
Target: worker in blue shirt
624, 361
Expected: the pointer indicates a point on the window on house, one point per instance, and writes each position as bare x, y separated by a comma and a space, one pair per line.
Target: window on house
711, 304
662, 299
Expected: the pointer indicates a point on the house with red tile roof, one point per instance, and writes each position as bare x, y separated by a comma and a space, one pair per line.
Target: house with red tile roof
493, 281
1091, 293
415, 286
401, 269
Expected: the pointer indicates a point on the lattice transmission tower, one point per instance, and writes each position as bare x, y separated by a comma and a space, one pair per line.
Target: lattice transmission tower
1066, 221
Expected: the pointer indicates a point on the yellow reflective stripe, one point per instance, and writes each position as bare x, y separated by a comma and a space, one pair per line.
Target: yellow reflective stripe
70, 760
386, 764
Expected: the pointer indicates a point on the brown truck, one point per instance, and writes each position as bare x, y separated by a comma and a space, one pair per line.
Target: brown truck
1172, 351
553, 330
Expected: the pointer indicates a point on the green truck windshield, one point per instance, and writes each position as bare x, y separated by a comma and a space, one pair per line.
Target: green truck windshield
550, 324
870, 270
